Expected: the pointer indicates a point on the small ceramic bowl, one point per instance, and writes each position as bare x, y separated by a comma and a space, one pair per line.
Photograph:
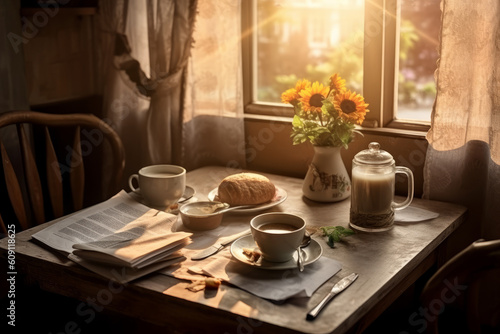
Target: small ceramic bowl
196, 216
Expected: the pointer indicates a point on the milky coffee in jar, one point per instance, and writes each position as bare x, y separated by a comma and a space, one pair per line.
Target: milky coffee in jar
373, 186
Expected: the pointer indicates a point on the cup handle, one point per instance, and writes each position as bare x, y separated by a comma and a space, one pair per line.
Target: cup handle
130, 179
409, 198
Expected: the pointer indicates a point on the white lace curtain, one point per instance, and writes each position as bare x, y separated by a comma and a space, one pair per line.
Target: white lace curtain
172, 87
213, 109
462, 163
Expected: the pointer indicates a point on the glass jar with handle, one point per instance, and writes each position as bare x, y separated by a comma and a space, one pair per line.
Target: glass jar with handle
373, 186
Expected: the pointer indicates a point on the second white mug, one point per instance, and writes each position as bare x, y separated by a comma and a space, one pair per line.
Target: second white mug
160, 185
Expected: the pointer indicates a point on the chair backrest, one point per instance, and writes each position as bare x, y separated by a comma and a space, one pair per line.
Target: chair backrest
469, 286
44, 186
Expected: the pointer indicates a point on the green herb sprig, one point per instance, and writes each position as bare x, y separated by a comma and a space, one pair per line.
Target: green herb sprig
335, 234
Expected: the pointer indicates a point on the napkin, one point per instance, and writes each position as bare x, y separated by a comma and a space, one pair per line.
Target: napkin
276, 285
413, 214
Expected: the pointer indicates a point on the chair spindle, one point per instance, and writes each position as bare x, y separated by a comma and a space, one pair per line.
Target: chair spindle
32, 177
14, 189
77, 176
54, 177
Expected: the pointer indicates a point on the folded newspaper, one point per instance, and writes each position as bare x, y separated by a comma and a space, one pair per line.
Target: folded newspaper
120, 239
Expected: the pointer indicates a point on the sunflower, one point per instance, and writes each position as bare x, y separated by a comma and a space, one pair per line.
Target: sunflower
289, 96
351, 106
292, 95
337, 84
302, 84
325, 114
312, 97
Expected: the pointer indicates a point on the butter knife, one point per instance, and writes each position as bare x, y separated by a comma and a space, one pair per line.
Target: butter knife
217, 246
337, 288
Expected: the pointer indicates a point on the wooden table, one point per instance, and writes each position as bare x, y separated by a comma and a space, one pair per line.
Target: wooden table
387, 263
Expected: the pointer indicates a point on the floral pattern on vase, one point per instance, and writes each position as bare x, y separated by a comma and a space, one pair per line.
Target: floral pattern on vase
327, 179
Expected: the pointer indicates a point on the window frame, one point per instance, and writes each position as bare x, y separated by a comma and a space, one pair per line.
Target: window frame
380, 85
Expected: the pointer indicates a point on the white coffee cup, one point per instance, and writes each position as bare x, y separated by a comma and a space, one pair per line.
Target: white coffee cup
160, 185
277, 234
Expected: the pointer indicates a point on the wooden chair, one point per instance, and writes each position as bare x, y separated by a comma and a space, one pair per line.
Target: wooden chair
46, 187
463, 296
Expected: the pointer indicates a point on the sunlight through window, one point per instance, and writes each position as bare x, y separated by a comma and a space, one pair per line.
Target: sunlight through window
311, 39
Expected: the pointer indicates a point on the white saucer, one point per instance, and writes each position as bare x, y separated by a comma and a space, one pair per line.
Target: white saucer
278, 198
311, 254
188, 193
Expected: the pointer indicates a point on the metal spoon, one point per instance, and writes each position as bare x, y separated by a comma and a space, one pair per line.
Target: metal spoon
219, 207
234, 208
305, 242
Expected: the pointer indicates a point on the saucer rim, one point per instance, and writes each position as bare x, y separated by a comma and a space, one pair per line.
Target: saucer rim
290, 264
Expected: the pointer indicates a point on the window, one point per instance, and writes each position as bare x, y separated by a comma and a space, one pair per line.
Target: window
387, 54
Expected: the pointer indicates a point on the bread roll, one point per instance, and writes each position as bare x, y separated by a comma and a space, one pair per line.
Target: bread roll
246, 188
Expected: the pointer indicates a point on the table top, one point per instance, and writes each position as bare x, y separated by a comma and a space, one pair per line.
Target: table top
387, 263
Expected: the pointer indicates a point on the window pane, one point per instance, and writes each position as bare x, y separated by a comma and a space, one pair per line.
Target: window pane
311, 39
420, 24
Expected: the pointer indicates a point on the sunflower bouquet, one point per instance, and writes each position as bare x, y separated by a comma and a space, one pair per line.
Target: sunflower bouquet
325, 115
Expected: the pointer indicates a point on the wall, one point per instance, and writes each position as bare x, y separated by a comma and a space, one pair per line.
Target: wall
59, 55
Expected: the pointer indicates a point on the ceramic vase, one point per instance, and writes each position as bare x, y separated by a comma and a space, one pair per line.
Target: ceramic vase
327, 179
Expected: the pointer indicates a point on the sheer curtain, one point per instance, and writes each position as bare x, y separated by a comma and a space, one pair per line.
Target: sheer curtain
213, 113
462, 163
172, 87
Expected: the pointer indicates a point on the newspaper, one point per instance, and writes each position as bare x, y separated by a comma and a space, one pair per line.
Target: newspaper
120, 238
